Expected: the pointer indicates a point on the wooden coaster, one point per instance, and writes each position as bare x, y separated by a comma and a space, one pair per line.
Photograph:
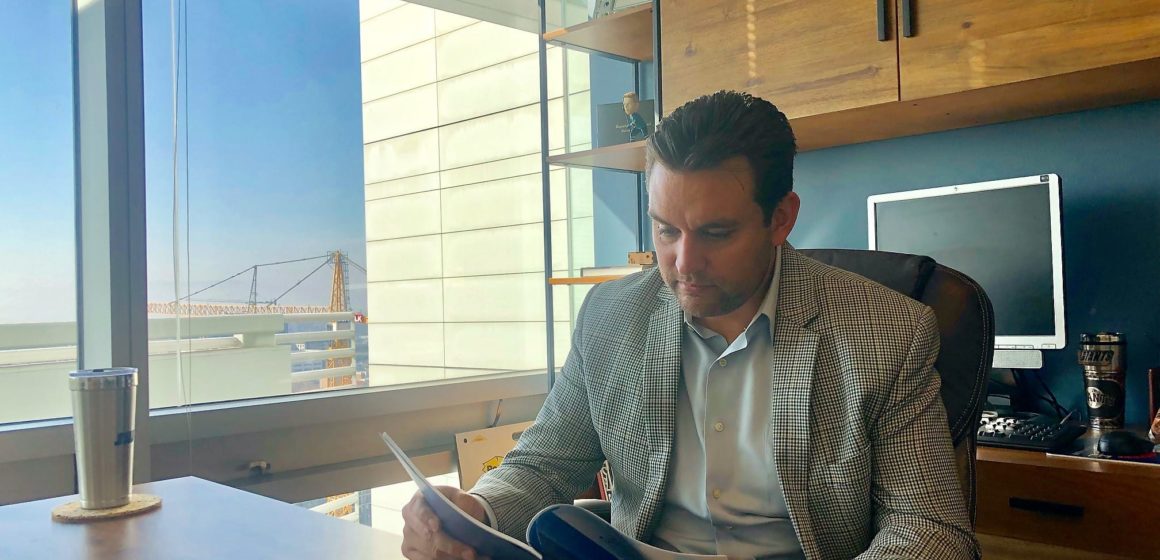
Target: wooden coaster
72, 512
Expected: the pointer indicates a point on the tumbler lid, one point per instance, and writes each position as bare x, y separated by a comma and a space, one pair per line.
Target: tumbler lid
1102, 338
103, 378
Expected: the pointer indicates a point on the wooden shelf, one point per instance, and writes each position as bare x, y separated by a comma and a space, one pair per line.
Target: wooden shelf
627, 34
575, 281
622, 157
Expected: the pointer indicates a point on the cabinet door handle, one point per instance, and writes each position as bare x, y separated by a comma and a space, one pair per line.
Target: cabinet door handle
907, 19
1050, 508
881, 20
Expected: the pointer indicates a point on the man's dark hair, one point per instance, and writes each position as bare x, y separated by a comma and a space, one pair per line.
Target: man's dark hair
710, 129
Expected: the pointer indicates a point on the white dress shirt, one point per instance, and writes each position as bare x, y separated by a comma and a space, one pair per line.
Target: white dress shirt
724, 495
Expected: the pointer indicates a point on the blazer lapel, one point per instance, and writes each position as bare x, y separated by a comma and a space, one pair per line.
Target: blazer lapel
794, 351
660, 381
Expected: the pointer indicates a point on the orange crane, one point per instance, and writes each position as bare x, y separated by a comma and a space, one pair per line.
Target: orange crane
339, 301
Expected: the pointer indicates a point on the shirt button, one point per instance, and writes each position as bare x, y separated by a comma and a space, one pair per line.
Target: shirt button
716, 493
722, 362
719, 426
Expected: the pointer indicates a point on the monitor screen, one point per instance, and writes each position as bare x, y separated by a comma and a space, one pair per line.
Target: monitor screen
1003, 234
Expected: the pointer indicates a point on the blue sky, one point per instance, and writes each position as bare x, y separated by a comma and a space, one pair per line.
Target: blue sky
275, 149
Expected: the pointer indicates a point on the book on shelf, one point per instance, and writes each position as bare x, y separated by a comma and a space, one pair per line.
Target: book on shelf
618, 270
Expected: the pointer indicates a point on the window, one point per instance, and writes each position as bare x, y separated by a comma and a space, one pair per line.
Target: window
269, 275
37, 235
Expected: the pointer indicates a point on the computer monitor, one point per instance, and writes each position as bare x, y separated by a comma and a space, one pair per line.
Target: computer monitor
1006, 235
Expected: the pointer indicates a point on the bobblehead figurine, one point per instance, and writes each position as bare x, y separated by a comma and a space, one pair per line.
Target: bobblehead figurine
637, 129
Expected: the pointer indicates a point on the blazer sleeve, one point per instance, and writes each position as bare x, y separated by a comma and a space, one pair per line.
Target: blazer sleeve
919, 510
556, 458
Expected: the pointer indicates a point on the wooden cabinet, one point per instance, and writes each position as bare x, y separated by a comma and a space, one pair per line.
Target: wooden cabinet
960, 45
807, 56
1102, 506
966, 63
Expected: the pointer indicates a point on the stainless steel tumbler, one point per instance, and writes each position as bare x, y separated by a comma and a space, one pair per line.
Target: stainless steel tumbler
104, 403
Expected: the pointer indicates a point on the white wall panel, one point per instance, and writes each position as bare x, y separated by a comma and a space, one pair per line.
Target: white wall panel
559, 195
413, 154
405, 301
579, 119
411, 258
494, 251
563, 342
507, 346
491, 89
419, 344
368, 9
446, 22
402, 27
479, 45
399, 71
506, 202
399, 187
403, 216
402, 113
578, 71
580, 190
502, 135
560, 240
492, 170
510, 297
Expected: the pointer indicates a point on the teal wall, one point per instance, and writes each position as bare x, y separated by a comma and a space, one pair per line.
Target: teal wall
1108, 161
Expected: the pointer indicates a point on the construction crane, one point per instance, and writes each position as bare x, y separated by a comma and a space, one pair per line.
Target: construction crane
339, 302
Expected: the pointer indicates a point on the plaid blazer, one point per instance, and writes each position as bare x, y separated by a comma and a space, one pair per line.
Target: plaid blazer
859, 432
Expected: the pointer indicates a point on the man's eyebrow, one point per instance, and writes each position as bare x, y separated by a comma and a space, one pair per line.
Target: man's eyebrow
719, 224
656, 219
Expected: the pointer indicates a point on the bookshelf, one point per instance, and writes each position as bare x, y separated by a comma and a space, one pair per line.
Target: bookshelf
582, 280
626, 34
622, 157
626, 44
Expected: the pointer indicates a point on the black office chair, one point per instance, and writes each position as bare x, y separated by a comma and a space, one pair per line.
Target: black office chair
966, 324
967, 328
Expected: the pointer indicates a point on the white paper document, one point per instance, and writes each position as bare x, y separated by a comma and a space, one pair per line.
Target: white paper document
575, 533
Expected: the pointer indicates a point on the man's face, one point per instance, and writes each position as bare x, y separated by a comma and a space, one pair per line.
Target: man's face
713, 246
630, 105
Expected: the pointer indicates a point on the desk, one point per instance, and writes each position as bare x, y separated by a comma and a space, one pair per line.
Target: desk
1084, 504
197, 519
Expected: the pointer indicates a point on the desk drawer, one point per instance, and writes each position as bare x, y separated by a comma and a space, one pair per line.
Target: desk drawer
1099, 511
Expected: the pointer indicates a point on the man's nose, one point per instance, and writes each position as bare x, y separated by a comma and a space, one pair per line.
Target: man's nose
690, 259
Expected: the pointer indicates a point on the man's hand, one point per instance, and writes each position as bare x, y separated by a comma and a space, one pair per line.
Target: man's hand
423, 539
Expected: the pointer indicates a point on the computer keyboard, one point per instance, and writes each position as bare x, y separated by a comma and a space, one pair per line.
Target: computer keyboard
1027, 431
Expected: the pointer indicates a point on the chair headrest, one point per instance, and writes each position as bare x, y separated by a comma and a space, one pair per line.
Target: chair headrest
907, 274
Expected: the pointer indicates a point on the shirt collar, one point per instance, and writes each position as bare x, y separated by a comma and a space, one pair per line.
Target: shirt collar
768, 305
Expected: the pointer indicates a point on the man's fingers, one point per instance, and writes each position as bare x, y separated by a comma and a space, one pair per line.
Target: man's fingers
451, 548
423, 537
412, 552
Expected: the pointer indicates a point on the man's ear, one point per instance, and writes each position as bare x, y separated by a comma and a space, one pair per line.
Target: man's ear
784, 218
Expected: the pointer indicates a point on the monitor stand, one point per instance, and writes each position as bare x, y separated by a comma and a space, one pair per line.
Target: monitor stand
1017, 359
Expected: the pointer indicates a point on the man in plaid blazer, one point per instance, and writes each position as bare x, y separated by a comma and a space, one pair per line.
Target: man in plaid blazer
851, 435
